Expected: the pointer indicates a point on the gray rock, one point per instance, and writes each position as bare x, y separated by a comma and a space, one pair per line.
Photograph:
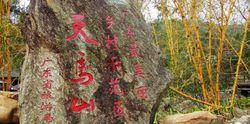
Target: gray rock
8, 110
240, 112
199, 117
242, 120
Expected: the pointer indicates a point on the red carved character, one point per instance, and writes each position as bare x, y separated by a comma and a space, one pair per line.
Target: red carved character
47, 73
46, 95
109, 22
138, 71
47, 107
113, 41
47, 84
130, 32
83, 105
133, 50
81, 63
114, 86
82, 79
115, 64
142, 92
118, 109
77, 27
48, 118
45, 61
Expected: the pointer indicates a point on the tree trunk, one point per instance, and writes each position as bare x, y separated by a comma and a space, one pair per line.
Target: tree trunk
50, 57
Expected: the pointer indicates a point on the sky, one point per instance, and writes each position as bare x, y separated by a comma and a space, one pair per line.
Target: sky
24, 3
150, 12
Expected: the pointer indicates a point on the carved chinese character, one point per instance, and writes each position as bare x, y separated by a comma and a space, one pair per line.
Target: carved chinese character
47, 107
142, 92
113, 41
130, 32
114, 87
45, 62
109, 22
75, 107
84, 79
78, 29
118, 109
48, 118
81, 63
115, 64
47, 84
133, 50
46, 95
138, 71
47, 73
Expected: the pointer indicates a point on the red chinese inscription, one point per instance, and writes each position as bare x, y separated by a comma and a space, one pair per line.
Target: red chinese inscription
75, 107
138, 70
84, 78
46, 73
130, 32
109, 22
48, 118
46, 95
118, 109
142, 92
47, 107
47, 84
116, 65
133, 50
78, 26
113, 41
115, 87
45, 62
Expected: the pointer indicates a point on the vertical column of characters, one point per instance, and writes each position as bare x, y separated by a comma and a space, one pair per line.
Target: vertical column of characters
141, 90
46, 95
115, 65
83, 78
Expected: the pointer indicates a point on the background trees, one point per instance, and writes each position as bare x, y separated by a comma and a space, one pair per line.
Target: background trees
206, 46
11, 46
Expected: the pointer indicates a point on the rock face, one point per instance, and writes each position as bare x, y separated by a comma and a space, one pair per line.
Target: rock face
8, 110
199, 117
50, 58
12, 95
242, 120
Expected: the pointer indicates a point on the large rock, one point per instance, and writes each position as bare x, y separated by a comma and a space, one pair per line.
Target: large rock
242, 120
12, 95
49, 53
199, 117
8, 110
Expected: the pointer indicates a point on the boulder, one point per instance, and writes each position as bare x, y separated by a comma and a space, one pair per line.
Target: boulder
242, 120
12, 95
239, 112
199, 117
8, 110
